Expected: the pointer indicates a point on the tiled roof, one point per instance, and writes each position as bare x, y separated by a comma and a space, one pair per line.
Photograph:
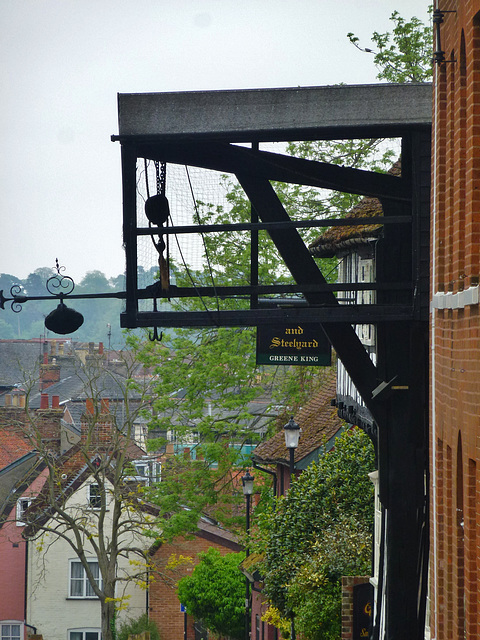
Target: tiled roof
12, 447
213, 529
18, 359
318, 420
336, 239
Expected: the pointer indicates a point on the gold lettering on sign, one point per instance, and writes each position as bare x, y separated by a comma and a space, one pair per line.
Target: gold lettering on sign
297, 331
293, 344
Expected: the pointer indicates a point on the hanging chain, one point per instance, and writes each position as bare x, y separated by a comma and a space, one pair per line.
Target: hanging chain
161, 174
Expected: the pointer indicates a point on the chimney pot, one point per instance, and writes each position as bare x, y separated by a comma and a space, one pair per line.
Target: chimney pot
105, 405
55, 402
90, 408
44, 401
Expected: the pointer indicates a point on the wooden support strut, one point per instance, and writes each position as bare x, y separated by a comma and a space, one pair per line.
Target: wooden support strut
279, 167
305, 271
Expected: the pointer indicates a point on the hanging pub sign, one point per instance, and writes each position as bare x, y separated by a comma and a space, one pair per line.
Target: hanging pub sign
293, 344
362, 610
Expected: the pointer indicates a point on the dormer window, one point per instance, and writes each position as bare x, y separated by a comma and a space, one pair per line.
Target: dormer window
94, 496
22, 506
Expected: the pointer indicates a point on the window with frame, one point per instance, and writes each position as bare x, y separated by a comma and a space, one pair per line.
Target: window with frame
22, 506
11, 631
84, 634
79, 584
94, 496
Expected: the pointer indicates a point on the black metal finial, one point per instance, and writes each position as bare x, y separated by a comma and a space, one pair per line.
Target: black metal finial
59, 284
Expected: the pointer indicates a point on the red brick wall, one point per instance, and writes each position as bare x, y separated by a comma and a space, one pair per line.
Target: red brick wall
49, 374
259, 606
97, 424
348, 582
12, 584
455, 372
44, 424
164, 606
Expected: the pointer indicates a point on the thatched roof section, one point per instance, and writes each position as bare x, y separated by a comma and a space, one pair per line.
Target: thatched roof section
338, 239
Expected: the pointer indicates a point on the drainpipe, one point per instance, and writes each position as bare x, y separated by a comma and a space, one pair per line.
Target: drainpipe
432, 333
25, 586
272, 473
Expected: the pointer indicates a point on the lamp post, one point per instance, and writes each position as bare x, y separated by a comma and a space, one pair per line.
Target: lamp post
247, 486
292, 435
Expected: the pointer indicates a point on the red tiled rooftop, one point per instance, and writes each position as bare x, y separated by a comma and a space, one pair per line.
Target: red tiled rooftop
12, 447
318, 420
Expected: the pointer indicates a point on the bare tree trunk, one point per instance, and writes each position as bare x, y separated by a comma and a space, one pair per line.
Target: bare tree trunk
108, 614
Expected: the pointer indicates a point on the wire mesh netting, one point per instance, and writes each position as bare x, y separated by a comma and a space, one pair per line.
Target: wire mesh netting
184, 187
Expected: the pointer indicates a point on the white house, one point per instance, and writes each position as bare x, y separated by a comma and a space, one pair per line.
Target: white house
89, 505
61, 603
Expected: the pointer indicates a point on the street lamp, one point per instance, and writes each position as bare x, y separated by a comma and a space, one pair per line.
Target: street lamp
292, 435
247, 486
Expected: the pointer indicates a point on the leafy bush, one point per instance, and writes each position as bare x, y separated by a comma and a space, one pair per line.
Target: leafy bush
136, 626
319, 532
215, 593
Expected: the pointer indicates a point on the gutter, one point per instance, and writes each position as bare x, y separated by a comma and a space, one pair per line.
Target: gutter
272, 473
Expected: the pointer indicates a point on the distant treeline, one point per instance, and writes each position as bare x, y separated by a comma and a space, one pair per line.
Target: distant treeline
102, 317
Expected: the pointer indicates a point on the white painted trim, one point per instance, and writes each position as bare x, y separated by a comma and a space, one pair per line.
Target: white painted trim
460, 300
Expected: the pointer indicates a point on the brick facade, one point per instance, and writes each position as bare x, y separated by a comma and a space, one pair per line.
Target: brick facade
45, 422
164, 605
455, 327
348, 584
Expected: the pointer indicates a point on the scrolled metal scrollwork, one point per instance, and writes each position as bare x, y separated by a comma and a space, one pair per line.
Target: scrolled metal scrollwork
60, 285
17, 298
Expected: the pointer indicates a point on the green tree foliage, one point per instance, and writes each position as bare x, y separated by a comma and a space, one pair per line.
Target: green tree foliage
215, 593
318, 532
208, 378
405, 53
205, 385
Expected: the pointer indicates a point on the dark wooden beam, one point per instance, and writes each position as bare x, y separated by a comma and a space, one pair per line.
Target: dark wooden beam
278, 167
230, 291
129, 181
305, 271
344, 314
402, 355
257, 226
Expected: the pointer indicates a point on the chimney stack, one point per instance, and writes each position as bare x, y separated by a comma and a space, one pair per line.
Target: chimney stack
99, 429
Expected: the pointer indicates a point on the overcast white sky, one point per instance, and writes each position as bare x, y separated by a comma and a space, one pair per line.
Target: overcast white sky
64, 61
